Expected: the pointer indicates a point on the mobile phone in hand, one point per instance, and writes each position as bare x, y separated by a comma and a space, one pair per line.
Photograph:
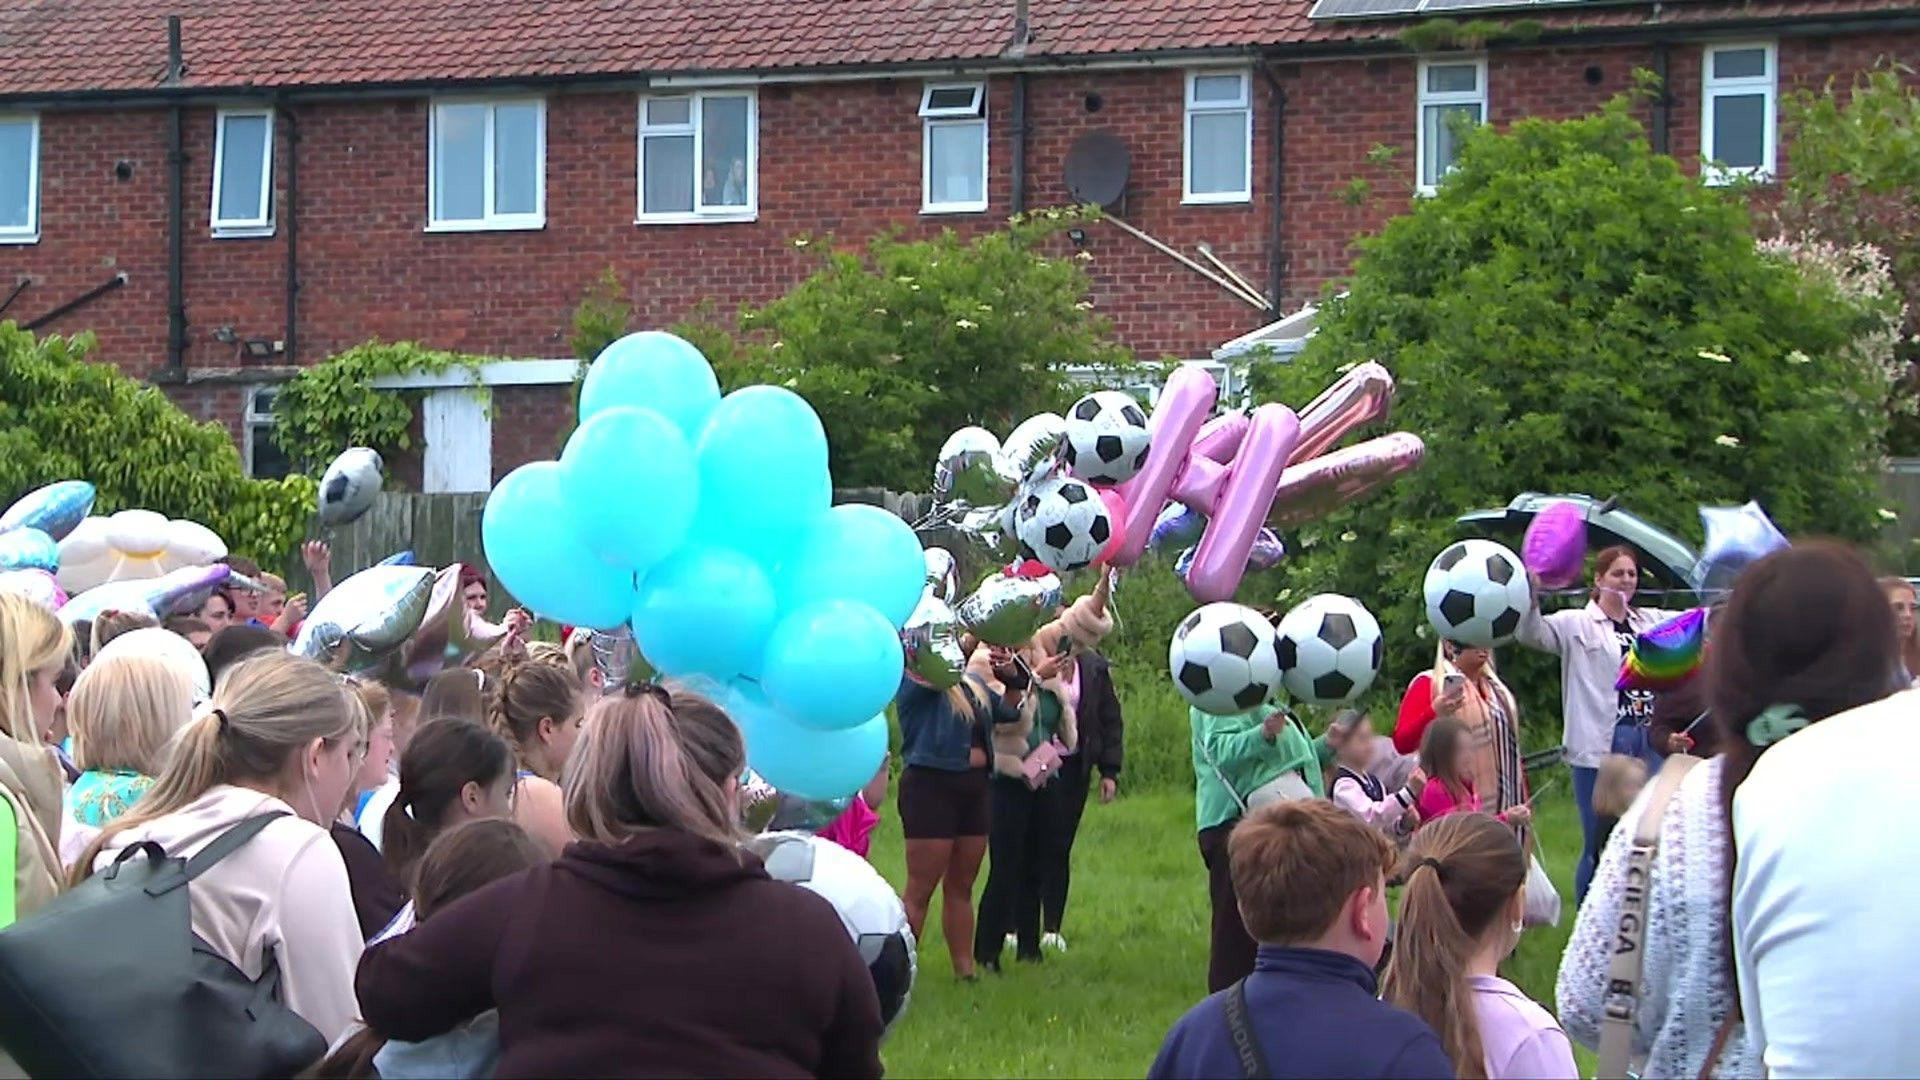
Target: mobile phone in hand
1452, 682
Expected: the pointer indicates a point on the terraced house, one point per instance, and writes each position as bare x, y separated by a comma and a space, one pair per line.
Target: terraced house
226, 189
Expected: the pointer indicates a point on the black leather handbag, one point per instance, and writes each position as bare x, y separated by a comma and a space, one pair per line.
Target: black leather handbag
110, 980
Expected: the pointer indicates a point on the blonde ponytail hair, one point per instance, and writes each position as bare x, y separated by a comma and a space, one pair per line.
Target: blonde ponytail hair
266, 708
650, 758
31, 640
1461, 871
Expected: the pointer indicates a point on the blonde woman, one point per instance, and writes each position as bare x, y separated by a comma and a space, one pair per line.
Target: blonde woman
628, 952
123, 711
34, 650
538, 708
1906, 628
278, 738
1465, 684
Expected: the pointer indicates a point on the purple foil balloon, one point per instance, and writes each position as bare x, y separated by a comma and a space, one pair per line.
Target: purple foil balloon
1556, 545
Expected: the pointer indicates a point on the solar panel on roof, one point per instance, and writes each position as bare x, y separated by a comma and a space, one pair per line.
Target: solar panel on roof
1468, 5
1362, 9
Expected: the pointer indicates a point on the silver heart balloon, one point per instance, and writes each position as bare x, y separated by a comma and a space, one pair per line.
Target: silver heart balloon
1006, 610
181, 592
350, 486
56, 509
1033, 449
931, 641
968, 470
372, 613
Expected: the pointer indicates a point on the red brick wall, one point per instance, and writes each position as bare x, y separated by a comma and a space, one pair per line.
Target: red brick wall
836, 159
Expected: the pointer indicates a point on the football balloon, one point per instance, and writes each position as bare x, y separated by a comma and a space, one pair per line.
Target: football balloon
867, 905
1063, 523
1477, 593
1107, 438
1223, 659
1329, 648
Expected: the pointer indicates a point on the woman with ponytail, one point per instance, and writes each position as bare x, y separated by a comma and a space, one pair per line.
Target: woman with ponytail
537, 707
453, 772
278, 738
1460, 916
654, 942
34, 650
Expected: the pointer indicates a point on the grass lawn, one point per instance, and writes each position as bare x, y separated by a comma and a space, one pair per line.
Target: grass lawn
1137, 934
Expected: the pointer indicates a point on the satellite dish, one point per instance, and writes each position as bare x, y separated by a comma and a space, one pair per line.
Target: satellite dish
1097, 167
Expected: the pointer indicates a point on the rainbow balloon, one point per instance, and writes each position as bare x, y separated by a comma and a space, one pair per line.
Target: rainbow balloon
1667, 655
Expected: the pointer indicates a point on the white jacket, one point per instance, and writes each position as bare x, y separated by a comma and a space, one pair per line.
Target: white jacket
1589, 653
285, 890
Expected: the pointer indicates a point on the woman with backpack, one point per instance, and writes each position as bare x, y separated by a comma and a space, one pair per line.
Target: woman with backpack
629, 952
34, 650
278, 739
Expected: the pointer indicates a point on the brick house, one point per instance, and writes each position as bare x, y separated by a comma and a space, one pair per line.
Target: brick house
270, 181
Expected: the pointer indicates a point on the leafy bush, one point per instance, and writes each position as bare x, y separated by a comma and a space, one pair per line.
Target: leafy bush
1572, 313
333, 405
63, 418
899, 346
1853, 179
603, 316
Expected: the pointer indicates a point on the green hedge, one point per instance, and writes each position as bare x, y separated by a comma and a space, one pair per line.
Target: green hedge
62, 418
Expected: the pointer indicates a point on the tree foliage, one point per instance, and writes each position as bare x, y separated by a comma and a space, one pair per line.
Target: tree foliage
63, 418
900, 345
1572, 313
333, 405
1854, 179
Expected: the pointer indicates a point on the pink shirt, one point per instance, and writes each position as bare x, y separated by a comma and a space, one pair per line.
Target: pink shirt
1518, 1037
1437, 799
853, 829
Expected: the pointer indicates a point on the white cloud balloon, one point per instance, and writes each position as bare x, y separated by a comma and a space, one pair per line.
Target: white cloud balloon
133, 544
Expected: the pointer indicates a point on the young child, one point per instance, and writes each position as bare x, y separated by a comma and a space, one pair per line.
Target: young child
1357, 789
853, 829
1619, 782
457, 863
1446, 757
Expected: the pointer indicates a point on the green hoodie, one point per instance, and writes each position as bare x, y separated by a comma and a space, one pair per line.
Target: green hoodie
1247, 759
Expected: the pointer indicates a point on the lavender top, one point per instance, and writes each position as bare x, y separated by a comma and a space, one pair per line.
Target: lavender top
1520, 1038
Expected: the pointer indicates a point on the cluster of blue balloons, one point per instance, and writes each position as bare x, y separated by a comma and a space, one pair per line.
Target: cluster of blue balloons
707, 524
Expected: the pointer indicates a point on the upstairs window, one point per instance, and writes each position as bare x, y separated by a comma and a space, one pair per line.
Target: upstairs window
1219, 148
1451, 93
699, 157
488, 165
243, 173
1737, 103
19, 178
953, 148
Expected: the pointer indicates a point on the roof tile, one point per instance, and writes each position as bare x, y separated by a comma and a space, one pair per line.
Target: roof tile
54, 46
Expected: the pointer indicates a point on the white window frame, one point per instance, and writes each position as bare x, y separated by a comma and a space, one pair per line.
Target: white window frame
262, 225
30, 232
489, 221
1198, 108
1767, 85
701, 214
932, 118
1426, 99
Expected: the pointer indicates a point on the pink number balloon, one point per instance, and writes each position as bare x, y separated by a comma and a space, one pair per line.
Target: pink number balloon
1240, 509
1220, 437
1357, 398
1177, 417
1313, 489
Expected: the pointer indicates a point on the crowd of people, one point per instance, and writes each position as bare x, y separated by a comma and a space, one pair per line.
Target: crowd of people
1734, 917
464, 880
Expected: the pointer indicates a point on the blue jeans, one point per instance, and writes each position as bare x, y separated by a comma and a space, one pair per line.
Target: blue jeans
1583, 779
1636, 740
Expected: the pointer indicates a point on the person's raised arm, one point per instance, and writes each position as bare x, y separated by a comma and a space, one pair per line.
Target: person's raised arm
1538, 631
440, 973
318, 558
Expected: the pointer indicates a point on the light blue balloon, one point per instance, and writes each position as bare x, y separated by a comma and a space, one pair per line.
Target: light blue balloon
653, 370
398, 558
629, 477
536, 551
28, 548
800, 761
860, 553
704, 611
56, 509
763, 471
832, 664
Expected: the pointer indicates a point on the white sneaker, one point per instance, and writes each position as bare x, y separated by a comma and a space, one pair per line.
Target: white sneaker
1012, 942
1053, 941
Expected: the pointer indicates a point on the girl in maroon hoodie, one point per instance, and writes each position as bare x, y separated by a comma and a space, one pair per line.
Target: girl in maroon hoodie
655, 945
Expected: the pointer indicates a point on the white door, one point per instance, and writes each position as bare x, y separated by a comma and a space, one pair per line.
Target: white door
459, 436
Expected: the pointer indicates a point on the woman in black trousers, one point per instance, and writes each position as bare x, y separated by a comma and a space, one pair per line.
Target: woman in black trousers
1089, 681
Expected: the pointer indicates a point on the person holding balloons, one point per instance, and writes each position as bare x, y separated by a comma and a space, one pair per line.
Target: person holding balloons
943, 799
1591, 642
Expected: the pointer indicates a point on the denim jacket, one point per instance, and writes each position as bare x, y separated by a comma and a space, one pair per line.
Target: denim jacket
933, 735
